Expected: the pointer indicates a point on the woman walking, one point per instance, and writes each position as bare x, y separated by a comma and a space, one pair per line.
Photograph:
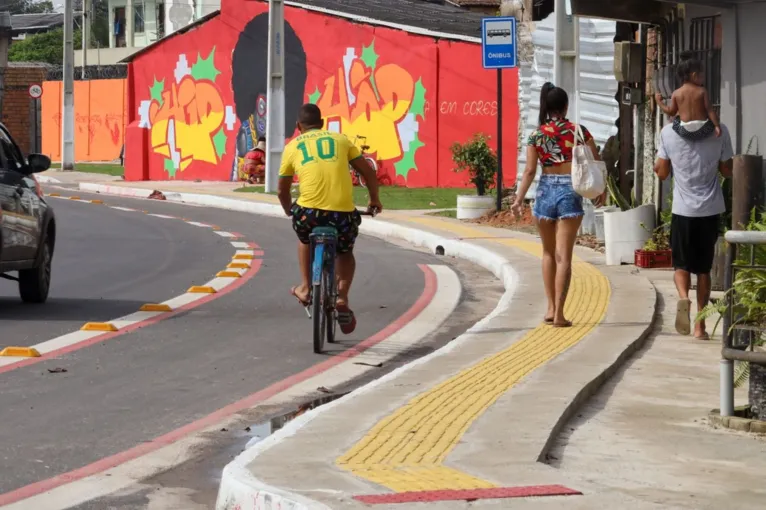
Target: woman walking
558, 210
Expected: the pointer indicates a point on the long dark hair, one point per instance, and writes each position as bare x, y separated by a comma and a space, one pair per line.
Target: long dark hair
553, 100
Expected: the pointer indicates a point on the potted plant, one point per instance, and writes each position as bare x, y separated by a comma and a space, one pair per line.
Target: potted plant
656, 252
626, 228
478, 159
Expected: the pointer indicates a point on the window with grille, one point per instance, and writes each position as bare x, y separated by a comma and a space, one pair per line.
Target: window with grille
705, 44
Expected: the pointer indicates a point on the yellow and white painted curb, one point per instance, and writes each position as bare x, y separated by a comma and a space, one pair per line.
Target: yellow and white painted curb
149, 311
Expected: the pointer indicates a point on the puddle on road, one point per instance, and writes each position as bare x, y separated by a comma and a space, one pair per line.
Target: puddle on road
262, 430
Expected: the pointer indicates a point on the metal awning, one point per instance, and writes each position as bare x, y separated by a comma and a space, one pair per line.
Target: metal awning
640, 11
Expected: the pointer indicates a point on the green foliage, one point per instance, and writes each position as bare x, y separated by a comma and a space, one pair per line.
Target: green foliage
47, 47
28, 7
660, 239
478, 159
616, 195
748, 292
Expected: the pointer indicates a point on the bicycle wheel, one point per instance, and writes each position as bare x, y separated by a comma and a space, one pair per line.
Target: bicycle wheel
329, 309
318, 317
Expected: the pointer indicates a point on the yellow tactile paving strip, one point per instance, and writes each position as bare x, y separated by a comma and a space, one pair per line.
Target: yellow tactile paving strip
405, 450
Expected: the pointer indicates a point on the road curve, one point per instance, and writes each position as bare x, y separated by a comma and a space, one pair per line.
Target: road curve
138, 386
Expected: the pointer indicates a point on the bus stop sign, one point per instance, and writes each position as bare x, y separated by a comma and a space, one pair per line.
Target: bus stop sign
498, 42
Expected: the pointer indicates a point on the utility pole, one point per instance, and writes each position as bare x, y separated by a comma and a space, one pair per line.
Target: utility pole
67, 110
85, 34
275, 95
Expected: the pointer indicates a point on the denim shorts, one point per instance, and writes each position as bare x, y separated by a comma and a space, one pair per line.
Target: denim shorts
556, 199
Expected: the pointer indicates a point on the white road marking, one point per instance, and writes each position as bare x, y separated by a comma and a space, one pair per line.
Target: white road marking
162, 216
123, 208
224, 234
240, 244
198, 224
440, 308
245, 252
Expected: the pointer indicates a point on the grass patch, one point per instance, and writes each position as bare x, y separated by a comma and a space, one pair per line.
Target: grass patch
398, 198
447, 213
97, 168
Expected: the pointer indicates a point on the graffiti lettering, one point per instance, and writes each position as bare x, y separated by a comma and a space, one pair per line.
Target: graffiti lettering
184, 125
447, 108
480, 108
382, 98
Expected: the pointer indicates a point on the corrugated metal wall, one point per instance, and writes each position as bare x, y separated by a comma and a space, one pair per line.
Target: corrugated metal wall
598, 109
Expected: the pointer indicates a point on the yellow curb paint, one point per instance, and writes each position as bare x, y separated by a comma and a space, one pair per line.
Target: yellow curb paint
406, 450
20, 352
228, 274
54, 194
74, 198
97, 202
243, 256
198, 289
154, 307
99, 326
238, 265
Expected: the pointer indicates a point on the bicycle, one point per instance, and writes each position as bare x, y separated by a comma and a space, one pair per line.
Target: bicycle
355, 177
324, 286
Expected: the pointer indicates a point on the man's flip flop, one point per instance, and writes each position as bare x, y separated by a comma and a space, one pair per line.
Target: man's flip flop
703, 337
683, 320
548, 321
303, 303
567, 324
346, 319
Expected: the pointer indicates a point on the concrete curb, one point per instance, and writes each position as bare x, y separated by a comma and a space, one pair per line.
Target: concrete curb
239, 488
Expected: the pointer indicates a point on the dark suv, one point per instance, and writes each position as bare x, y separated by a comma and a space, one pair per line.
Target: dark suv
27, 225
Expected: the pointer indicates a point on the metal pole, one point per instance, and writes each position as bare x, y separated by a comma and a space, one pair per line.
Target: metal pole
275, 96
499, 183
67, 110
85, 35
727, 387
130, 17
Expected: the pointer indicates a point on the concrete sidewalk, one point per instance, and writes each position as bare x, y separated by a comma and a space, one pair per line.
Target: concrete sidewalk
482, 413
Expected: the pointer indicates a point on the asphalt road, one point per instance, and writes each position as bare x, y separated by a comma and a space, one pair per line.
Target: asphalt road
138, 386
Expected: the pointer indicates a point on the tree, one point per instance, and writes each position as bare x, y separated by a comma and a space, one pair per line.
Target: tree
28, 6
47, 47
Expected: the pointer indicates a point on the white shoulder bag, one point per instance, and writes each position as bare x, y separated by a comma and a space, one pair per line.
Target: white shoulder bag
588, 175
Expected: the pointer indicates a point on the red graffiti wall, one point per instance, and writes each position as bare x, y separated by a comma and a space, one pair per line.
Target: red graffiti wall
200, 95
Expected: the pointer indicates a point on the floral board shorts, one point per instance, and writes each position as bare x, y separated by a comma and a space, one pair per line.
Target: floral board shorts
346, 223
556, 199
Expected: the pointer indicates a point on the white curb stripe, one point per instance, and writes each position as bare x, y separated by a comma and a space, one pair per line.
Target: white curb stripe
123, 208
225, 234
198, 224
240, 244
162, 216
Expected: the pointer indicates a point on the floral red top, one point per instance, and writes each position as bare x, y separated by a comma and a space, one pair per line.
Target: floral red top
555, 140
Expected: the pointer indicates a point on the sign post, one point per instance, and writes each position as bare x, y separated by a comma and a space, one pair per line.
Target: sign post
275, 96
498, 50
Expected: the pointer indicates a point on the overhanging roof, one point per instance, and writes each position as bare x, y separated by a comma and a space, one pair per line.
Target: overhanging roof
637, 11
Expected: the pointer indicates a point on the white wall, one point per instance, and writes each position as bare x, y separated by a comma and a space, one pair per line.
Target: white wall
598, 109
140, 39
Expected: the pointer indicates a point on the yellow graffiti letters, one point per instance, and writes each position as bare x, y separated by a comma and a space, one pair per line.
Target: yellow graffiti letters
380, 100
197, 111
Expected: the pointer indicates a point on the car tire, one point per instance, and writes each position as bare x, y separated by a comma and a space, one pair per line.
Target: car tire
35, 283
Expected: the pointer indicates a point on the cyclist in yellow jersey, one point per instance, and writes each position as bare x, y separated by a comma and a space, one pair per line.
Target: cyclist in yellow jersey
320, 159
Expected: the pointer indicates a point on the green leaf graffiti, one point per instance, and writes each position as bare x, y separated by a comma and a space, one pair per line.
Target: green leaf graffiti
219, 142
419, 100
407, 163
204, 69
170, 168
155, 91
314, 96
369, 57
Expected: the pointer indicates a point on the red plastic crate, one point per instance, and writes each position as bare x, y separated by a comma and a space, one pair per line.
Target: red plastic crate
654, 259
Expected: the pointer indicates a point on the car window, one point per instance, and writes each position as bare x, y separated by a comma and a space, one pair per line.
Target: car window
12, 158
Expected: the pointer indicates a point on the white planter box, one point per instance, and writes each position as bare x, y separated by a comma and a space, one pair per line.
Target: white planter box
470, 207
627, 231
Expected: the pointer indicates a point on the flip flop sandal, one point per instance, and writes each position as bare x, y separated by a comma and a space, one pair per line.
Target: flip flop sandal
683, 320
548, 321
304, 304
703, 337
567, 324
346, 319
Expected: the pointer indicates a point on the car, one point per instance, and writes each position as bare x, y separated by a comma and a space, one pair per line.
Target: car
27, 222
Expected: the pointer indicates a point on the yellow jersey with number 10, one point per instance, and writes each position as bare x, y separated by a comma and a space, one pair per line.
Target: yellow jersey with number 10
320, 159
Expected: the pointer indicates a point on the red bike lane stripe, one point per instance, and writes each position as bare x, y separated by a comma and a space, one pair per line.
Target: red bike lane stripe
429, 291
254, 268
